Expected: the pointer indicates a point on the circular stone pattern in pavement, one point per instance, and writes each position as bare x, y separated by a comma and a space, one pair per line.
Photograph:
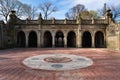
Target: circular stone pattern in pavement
58, 59
57, 62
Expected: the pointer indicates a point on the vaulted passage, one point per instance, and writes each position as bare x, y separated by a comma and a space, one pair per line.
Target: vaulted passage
71, 39
59, 39
99, 40
32, 39
21, 39
86, 40
47, 39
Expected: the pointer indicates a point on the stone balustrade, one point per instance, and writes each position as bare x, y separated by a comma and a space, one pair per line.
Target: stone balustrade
65, 21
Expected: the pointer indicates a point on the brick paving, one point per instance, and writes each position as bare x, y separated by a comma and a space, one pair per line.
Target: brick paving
106, 65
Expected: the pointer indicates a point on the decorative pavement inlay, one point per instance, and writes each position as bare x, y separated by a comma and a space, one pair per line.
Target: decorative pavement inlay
57, 62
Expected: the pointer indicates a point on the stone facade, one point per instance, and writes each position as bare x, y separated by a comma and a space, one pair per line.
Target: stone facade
80, 33
2, 34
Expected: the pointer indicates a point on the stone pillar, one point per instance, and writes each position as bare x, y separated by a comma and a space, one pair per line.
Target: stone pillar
117, 41
15, 39
26, 35
65, 40
93, 41
78, 39
42, 39
53, 40
38, 39
2, 40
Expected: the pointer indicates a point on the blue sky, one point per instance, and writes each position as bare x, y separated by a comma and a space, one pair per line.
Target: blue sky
64, 5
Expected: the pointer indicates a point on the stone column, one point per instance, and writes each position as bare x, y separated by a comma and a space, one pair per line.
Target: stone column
38, 39
42, 39
65, 40
80, 38
117, 41
53, 40
15, 39
77, 39
2, 40
26, 35
93, 41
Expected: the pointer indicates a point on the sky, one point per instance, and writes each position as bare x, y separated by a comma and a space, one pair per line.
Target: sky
64, 5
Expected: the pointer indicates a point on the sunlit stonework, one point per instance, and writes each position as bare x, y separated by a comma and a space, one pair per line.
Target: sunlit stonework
79, 33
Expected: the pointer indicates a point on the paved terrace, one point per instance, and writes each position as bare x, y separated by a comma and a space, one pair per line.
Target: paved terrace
106, 65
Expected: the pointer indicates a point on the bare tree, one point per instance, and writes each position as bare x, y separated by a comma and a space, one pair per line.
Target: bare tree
89, 14
30, 12
47, 8
94, 14
86, 15
102, 11
115, 11
7, 5
72, 13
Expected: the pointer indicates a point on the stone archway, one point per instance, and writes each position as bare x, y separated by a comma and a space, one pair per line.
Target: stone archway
99, 39
47, 39
32, 39
59, 39
86, 40
21, 39
71, 39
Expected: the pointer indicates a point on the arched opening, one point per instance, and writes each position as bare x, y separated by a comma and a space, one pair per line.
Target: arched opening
21, 39
71, 39
47, 39
59, 39
32, 40
99, 40
86, 40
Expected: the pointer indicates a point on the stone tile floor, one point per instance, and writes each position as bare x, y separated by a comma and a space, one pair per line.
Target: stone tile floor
106, 65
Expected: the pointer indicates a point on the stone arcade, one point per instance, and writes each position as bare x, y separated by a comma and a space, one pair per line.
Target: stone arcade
80, 33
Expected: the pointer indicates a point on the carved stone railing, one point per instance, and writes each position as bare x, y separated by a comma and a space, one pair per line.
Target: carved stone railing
65, 21
28, 22
59, 21
71, 22
46, 21
86, 21
94, 21
100, 21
